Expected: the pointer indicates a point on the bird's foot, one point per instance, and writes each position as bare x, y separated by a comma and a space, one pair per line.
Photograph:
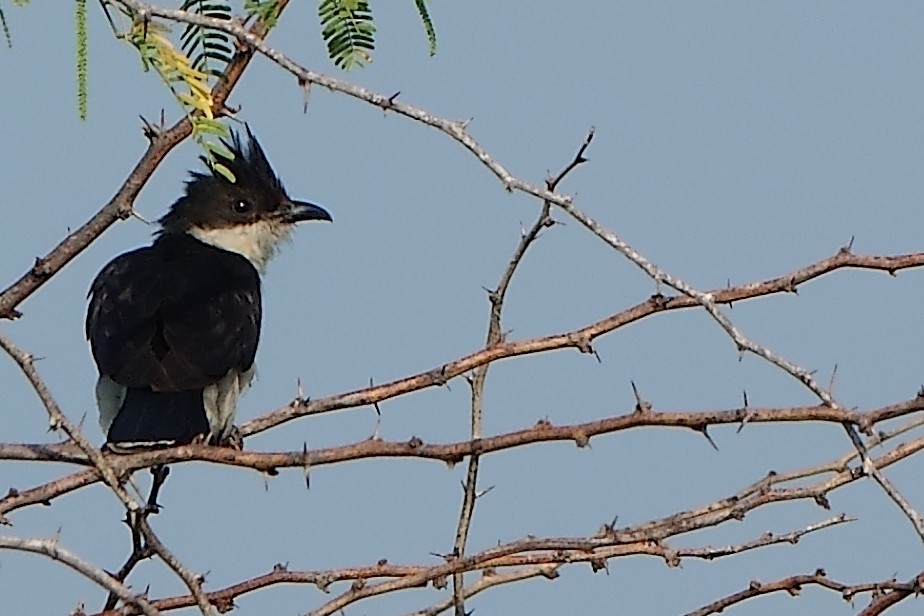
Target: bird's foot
234, 440
201, 439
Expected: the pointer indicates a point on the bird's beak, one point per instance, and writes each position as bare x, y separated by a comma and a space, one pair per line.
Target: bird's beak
299, 211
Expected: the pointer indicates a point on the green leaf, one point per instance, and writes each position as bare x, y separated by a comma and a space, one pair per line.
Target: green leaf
427, 23
348, 30
82, 97
266, 11
209, 49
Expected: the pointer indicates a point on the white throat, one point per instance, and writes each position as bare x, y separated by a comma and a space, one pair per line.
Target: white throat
257, 241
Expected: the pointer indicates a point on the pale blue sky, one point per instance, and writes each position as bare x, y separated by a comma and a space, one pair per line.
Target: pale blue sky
735, 141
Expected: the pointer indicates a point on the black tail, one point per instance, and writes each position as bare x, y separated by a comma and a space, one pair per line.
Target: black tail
159, 418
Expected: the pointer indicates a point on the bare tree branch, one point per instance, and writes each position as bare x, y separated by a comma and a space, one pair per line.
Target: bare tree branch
449, 453
59, 421
889, 592
489, 579
494, 336
141, 550
530, 557
51, 549
579, 339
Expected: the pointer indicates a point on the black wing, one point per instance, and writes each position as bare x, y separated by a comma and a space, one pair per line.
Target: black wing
174, 316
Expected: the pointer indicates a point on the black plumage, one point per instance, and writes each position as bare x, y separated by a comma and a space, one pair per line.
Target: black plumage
174, 327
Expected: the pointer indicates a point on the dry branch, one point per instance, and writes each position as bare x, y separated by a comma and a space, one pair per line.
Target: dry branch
528, 557
533, 556
51, 549
885, 593
449, 453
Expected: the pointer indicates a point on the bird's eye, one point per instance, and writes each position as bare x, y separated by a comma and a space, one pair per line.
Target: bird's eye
241, 207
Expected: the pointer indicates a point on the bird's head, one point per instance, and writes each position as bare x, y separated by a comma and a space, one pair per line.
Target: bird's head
251, 215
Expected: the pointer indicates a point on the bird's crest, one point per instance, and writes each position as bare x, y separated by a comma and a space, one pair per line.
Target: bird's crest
209, 197
248, 164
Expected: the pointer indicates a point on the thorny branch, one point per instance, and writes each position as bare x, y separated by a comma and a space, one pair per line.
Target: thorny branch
884, 594
647, 538
494, 336
489, 579
584, 548
579, 339
120, 207
526, 558
141, 550
459, 132
450, 453
51, 549
58, 421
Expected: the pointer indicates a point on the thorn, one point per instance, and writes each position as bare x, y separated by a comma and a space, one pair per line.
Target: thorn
378, 415
151, 131
831, 381
671, 558
393, 98
54, 424
439, 376
483, 492
845, 250
305, 85
658, 300
306, 465
747, 413
705, 431
135, 214
641, 405
582, 343
230, 111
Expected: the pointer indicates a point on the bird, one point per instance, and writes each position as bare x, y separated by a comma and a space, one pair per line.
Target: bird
173, 327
